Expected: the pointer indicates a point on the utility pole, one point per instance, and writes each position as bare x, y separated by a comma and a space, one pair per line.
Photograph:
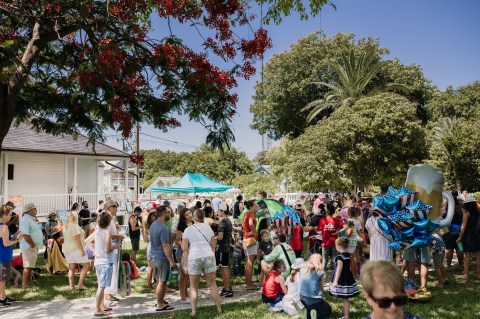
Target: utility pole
136, 188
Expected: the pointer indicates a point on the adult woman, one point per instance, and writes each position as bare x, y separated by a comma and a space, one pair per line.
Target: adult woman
470, 234
74, 250
274, 287
383, 289
198, 246
293, 289
150, 219
184, 221
311, 288
379, 241
6, 253
451, 237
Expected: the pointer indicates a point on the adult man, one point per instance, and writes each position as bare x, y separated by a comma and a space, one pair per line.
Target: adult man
249, 226
134, 223
30, 244
216, 201
222, 254
49, 227
161, 255
282, 251
329, 227
12, 224
111, 207
85, 217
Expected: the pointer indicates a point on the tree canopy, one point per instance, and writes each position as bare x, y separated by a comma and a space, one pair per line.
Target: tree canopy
70, 66
288, 77
373, 141
223, 166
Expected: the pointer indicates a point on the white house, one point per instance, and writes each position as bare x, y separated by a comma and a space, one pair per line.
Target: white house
53, 172
114, 176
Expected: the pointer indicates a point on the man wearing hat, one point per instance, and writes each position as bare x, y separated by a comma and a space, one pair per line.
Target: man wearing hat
30, 244
49, 228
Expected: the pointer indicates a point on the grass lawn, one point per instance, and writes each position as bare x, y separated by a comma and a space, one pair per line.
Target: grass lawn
460, 299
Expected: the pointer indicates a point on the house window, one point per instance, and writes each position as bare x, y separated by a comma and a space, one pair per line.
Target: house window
10, 172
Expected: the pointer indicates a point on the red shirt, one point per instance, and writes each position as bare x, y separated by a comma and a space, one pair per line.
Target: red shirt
328, 226
271, 288
246, 224
296, 242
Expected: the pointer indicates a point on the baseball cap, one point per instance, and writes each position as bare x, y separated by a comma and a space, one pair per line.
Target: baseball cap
166, 202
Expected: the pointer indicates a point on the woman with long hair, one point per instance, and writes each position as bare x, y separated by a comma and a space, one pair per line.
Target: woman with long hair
312, 279
470, 234
74, 250
198, 246
150, 219
185, 219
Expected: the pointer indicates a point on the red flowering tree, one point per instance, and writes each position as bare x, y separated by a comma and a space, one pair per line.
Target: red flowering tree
89, 65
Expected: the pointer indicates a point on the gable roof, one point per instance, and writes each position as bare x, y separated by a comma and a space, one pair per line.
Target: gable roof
23, 139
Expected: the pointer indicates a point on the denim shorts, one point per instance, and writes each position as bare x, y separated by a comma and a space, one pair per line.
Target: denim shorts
104, 275
161, 270
438, 258
422, 254
201, 265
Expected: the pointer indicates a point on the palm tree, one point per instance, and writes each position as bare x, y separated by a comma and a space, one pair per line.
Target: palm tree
353, 75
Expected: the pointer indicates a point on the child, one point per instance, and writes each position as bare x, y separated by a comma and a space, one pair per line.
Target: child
274, 288
343, 283
264, 248
103, 261
6, 253
352, 235
238, 254
438, 254
273, 231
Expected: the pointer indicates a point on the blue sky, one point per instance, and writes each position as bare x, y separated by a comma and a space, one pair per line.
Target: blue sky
440, 36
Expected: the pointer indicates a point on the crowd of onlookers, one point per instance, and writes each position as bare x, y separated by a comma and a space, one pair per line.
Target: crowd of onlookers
337, 232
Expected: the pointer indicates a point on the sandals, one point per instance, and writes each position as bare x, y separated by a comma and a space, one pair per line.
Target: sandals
112, 298
99, 314
81, 288
165, 308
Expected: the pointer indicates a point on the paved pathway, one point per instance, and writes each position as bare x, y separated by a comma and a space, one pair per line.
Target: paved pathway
133, 305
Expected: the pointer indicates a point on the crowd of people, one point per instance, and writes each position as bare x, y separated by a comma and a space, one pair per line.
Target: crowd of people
337, 232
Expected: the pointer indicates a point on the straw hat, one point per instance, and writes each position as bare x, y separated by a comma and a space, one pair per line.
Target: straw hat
57, 229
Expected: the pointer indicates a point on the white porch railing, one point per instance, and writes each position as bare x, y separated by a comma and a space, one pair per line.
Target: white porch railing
52, 202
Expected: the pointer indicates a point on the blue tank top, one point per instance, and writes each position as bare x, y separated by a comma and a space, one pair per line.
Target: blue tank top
6, 253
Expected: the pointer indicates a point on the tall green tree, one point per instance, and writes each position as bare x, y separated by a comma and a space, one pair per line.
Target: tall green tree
221, 165
373, 141
352, 79
287, 78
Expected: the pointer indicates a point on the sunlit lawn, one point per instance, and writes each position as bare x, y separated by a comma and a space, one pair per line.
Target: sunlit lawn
460, 299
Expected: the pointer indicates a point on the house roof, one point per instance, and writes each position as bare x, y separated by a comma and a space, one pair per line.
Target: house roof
23, 139
263, 169
120, 165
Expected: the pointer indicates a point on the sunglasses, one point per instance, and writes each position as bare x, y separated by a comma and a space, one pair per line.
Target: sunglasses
384, 303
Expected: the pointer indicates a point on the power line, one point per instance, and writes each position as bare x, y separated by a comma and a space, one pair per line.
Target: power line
171, 141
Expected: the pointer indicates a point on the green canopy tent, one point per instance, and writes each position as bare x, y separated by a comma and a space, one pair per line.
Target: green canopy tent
193, 183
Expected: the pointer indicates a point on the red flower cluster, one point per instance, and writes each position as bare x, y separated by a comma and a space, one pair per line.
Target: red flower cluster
137, 159
54, 7
120, 116
168, 54
111, 58
257, 46
127, 9
182, 10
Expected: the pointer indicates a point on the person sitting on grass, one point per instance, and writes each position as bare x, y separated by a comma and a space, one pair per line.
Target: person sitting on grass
383, 288
274, 287
103, 261
311, 288
283, 251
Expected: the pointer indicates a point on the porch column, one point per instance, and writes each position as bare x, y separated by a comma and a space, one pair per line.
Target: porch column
5, 177
74, 191
125, 180
66, 175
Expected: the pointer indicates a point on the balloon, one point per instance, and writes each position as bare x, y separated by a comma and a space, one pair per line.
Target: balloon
401, 219
419, 209
427, 225
405, 196
405, 234
387, 226
399, 245
386, 203
422, 241
437, 244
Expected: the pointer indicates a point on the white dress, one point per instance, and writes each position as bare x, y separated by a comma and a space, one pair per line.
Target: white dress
379, 242
292, 295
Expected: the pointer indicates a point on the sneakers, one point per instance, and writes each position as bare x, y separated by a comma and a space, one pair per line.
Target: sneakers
4, 303
8, 299
186, 301
226, 293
